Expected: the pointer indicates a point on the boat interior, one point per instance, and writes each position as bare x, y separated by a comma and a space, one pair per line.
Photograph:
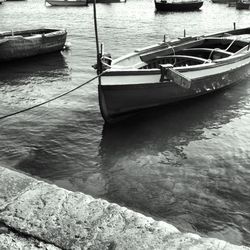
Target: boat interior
195, 53
26, 33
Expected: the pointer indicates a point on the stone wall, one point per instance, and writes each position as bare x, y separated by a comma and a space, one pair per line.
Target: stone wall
38, 215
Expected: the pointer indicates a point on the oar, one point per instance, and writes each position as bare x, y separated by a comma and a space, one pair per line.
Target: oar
170, 74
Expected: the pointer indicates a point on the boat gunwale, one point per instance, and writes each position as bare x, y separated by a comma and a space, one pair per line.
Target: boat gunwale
30, 33
160, 84
212, 64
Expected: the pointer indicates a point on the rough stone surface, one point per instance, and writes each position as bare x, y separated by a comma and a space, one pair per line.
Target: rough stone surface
12, 241
60, 219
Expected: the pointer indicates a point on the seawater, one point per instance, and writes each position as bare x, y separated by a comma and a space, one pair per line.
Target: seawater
187, 164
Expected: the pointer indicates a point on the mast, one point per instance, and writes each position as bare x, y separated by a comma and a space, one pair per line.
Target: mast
97, 43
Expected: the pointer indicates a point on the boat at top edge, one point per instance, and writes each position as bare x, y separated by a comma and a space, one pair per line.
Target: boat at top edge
67, 2
172, 71
177, 5
107, 1
21, 44
243, 4
221, 1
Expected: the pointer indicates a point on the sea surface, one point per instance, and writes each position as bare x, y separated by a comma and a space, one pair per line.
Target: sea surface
187, 164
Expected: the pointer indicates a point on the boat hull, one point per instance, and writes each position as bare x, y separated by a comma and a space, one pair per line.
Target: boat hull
184, 6
242, 6
106, 1
67, 3
221, 1
17, 47
117, 101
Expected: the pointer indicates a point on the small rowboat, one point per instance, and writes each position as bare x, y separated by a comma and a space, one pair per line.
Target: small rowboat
67, 2
107, 1
221, 1
172, 71
21, 44
188, 5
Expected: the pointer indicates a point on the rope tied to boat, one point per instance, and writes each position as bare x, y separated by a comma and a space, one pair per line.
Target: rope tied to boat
52, 99
171, 47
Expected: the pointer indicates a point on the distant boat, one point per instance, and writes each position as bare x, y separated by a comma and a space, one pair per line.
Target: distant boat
243, 4
67, 2
172, 71
21, 44
188, 5
107, 1
221, 1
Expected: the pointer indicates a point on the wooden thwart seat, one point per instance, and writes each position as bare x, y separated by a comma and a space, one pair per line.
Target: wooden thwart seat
170, 74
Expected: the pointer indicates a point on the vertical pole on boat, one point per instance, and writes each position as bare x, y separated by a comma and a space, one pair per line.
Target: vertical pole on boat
184, 35
164, 38
97, 43
234, 26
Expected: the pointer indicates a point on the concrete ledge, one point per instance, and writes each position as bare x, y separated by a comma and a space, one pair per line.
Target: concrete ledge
35, 214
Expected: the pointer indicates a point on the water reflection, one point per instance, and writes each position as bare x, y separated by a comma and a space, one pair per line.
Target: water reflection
55, 152
151, 164
44, 66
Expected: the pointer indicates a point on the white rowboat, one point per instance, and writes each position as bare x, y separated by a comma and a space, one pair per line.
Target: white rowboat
67, 2
173, 71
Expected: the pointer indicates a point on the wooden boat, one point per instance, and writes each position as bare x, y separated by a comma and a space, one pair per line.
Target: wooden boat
67, 2
21, 44
172, 71
221, 1
230, 3
188, 5
107, 1
243, 4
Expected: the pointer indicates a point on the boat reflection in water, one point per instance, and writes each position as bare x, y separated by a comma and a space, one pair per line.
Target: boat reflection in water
19, 72
166, 164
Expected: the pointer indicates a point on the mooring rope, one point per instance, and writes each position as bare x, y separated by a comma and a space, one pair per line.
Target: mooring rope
50, 100
171, 47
